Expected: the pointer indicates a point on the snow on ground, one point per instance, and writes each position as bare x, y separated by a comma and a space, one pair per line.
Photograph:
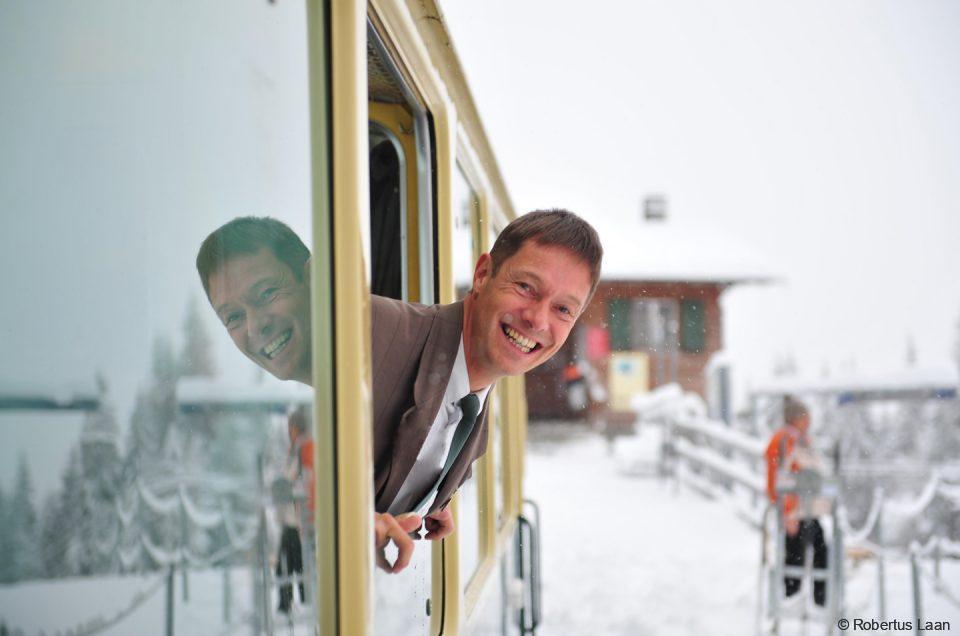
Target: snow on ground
626, 552
629, 554
75, 605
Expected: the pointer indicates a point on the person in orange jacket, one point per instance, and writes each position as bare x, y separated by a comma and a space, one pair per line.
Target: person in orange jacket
297, 522
790, 446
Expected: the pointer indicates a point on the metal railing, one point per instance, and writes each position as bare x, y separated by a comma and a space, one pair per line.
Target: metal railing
713, 458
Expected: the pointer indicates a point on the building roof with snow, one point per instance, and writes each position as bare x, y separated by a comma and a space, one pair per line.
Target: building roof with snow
39, 396
666, 251
201, 393
929, 383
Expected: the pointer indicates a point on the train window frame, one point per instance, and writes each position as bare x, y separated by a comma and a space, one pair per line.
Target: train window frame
494, 524
421, 243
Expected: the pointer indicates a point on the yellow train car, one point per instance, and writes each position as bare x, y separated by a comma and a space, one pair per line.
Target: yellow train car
146, 480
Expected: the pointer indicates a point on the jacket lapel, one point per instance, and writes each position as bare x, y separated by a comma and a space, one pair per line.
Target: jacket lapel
436, 365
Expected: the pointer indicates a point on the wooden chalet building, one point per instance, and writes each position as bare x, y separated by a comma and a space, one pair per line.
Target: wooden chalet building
655, 318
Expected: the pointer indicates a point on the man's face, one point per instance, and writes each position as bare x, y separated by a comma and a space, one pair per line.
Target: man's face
518, 319
266, 311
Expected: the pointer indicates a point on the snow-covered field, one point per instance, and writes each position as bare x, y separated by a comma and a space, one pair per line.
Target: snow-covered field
136, 605
625, 552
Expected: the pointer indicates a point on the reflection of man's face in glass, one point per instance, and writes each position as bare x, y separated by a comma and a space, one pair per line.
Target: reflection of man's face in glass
266, 310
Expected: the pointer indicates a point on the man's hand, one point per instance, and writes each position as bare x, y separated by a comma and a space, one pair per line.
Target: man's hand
439, 524
387, 527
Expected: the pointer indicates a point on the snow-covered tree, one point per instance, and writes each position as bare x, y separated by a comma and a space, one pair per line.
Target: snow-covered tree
74, 546
196, 357
163, 363
53, 539
155, 408
6, 541
22, 519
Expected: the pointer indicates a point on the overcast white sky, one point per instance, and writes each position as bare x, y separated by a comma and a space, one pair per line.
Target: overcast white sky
824, 134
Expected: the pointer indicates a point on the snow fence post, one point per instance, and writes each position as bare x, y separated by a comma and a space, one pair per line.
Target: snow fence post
881, 565
263, 601
227, 595
169, 609
936, 558
915, 578
836, 557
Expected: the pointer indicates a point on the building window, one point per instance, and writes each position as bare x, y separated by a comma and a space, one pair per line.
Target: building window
642, 324
654, 322
693, 334
618, 322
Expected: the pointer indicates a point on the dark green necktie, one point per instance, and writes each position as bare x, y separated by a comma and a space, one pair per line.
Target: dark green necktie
470, 405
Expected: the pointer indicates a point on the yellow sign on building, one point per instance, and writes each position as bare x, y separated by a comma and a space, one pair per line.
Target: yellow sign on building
628, 375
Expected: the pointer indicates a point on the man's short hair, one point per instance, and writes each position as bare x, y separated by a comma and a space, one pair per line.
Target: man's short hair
248, 235
556, 227
793, 409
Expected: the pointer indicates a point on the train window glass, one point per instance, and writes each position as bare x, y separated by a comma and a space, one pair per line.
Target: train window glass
498, 440
466, 218
465, 251
147, 473
495, 446
401, 600
468, 526
401, 222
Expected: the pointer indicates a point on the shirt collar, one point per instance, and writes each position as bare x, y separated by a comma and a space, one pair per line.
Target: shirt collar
459, 385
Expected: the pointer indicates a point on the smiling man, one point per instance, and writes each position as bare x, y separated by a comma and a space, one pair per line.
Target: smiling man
433, 366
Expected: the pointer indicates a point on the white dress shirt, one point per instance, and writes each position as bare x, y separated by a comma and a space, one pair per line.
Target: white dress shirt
433, 453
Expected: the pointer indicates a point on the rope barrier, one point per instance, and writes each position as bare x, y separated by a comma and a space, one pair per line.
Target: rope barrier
201, 518
858, 536
917, 506
160, 556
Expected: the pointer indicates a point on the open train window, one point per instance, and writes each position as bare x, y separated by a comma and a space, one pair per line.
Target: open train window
401, 266
401, 210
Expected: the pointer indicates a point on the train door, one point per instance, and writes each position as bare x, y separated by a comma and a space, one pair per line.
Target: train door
149, 471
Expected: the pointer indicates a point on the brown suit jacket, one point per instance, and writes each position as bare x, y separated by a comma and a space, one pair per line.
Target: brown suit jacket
414, 348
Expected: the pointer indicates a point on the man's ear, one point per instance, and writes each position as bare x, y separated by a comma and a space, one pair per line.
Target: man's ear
483, 271
305, 274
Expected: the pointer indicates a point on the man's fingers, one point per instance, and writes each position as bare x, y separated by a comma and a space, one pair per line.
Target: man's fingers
404, 549
382, 561
409, 522
439, 525
393, 528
